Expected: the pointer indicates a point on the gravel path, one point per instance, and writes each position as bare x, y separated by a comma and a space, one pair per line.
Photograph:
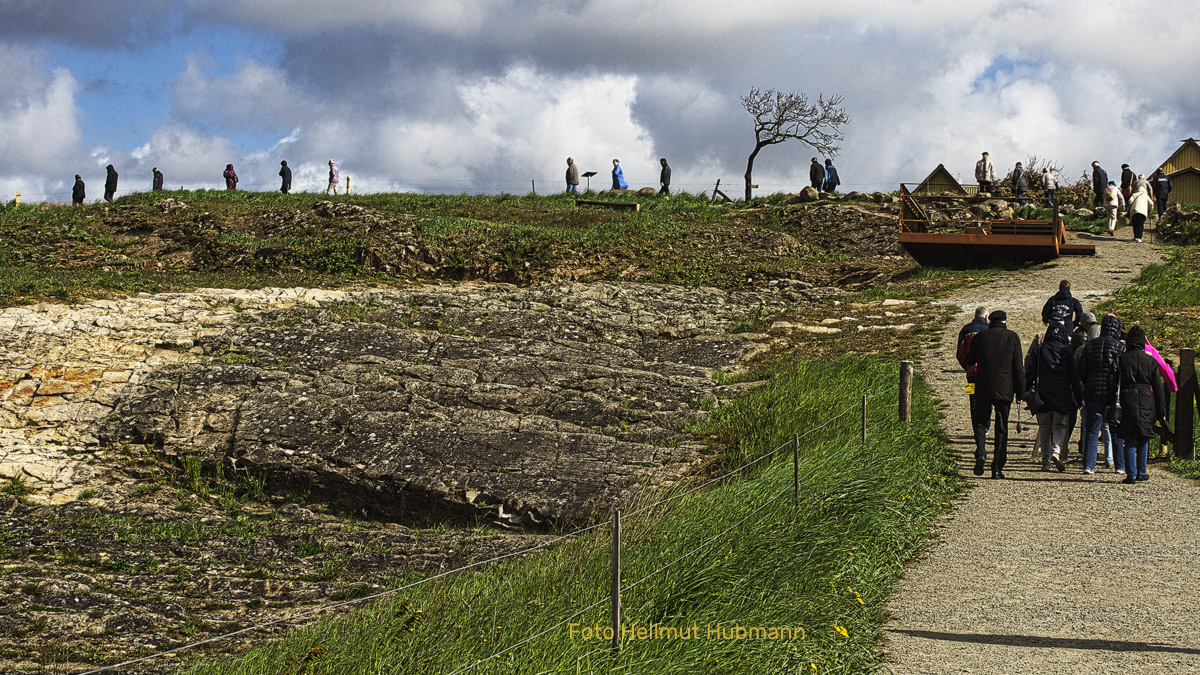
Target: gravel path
1050, 572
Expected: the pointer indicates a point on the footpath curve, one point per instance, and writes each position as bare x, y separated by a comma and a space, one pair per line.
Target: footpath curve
1050, 572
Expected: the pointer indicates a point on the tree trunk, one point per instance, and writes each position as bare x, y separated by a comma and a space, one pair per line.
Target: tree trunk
750, 170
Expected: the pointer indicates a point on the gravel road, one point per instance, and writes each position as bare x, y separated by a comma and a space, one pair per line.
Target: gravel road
1050, 572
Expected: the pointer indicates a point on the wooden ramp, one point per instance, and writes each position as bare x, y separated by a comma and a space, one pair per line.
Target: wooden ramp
980, 243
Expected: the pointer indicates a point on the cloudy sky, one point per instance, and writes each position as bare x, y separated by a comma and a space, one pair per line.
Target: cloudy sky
487, 95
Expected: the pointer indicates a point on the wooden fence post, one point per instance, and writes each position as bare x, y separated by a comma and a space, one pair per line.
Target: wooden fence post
796, 467
616, 580
864, 421
1185, 438
906, 378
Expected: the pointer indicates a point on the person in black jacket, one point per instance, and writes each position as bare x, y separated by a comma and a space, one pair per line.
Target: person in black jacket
1098, 371
1099, 183
816, 174
110, 183
664, 178
1065, 305
1127, 177
78, 193
1161, 184
285, 173
1143, 402
157, 182
996, 353
966, 335
1053, 373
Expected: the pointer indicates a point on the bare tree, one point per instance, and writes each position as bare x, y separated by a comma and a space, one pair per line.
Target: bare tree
780, 116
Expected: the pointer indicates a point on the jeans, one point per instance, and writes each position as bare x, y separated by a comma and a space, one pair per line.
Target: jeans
1114, 445
1112, 217
1050, 197
1137, 452
1093, 429
983, 412
1021, 196
1052, 434
572, 188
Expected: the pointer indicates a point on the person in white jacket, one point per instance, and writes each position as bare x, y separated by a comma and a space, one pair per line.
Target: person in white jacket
1139, 211
1114, 201
985, 174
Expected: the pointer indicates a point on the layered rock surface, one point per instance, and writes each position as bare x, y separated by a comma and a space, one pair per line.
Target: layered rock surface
523, 406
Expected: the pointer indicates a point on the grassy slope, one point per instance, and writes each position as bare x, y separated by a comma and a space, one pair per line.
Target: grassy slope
827, 564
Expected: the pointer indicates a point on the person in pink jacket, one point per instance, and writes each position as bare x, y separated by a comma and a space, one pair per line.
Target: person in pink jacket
1114, 201
333, 179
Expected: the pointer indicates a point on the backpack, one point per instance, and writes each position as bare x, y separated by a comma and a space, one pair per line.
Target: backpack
964, 348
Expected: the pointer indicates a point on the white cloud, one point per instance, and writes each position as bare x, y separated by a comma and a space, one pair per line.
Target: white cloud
39, 126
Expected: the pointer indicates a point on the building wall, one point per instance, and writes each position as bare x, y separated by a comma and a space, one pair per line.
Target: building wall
938, 183
1186, 156
1186, 188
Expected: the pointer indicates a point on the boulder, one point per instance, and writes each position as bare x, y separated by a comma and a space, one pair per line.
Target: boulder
1084, 213
647, 192
809, 194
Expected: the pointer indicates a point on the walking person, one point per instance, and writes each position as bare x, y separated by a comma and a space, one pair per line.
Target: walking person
231, 177
157, 182
332, 188
996, 353
1098, 372
1053, 375
832, 181
966, 336
1127, 178
1049, 184
110, 183
1099, 183
618, 175
664, 178
1114, 201
1143, 402
1020, 183
572, 176
1161, 184
985, 174
816, 174
78, 191
285, 173
1065, 305
1139, 211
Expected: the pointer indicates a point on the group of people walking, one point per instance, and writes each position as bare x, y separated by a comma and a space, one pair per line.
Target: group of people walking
823, 178
618, 176
1133, 195
1114, 379
79, 189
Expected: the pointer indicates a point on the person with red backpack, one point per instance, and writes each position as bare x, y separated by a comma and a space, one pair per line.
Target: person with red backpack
965, 337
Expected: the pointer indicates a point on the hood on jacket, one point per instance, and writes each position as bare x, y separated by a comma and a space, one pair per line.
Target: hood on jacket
1110, 326
1094, 331
1136, 340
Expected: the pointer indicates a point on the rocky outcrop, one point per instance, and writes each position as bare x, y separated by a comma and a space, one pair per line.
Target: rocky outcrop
522, 406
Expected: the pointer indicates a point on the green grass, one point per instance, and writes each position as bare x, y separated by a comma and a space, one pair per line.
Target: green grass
827, 563
1188, 468
1165, 301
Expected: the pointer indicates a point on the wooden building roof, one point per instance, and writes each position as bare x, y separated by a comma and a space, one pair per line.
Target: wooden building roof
939, 181
1188, 155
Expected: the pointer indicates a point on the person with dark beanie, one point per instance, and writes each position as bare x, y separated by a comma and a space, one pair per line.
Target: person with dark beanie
996, 354
1143, 402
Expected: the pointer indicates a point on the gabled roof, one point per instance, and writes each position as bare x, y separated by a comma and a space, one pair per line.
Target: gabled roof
1186, 169
943, 177
1186, 155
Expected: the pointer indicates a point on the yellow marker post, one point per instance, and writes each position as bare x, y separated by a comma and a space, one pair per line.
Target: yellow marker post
17, 200
347, 184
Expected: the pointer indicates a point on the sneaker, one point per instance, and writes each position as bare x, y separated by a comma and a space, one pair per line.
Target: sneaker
1089, 471
1138, 240
978, 471
1142, 478
1112, 233
1045, 467
1121, 471
1109, 465
1128, 481
1058, 464
998, 474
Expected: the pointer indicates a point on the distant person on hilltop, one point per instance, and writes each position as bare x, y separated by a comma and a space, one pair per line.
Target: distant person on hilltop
1099, 183
78, 193
1049, 184
333, 178
572, 176
664, 178
618, 176
285, 172
231, 177
831, 177
157, 182
996, 354
816, 174
1162, 189
1020, 183
985, 174
110, 183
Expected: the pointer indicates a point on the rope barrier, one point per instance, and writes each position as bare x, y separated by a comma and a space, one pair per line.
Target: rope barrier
530, 638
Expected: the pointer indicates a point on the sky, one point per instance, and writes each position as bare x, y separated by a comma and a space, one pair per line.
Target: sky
488, 96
